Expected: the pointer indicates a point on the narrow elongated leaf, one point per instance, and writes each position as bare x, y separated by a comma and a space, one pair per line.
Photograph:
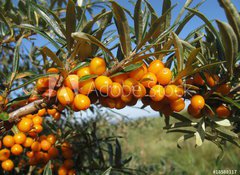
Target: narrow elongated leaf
107, 172
192, 56
36, 77
56, 18
154, 16
208, 23
7, 23
52, 23
154, 28
230, 44
179, 51
16, 56
87, 28
233, 16
184, 138
93, 40
78, 66
118, 154
132, 67
42, 33
70, 23
138, 21
166, 6
53, 56
24, 74
229, 100
87, 77
122, 27
48, 170
187, 3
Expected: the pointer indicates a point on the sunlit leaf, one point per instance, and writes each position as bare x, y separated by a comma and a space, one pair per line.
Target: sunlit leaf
230, 44
138, 21
122, 27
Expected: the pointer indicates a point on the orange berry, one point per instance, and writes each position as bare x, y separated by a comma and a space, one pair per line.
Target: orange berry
45, 145
52, 70
30, 116
196, 113
83, 71
28, 142
42, 84
157, 93
97, 66
7, 165
72, 81
20, 138
62, 171
173, 92
82, 102
224, 89
65, 146
120, 78
164, 76
210, 80
138, 73
155, 66
8, 141
4, 154
30, 154
51, 111
197, 79
125, 97
103, 83
25, 125
177, 105
115, 90
51, 138
57, 116
119, 104
53, 152
68, 154
65, 95
197, 102
139, 91
42, 112
16, 149
38, 128
36, 146
128, 85
37, 120
86, 87
223, 112
68, 163
42, 137
149, 80
72, 172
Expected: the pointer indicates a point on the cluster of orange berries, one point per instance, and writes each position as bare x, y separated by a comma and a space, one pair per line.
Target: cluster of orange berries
39, 148
118, 91
198, 102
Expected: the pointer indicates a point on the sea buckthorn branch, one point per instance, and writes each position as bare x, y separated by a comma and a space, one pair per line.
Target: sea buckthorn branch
29, 108
119, 65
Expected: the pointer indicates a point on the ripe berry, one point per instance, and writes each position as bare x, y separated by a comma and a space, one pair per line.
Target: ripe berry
97, 66
83, 71
197, 102
223, 112
7, 165
20, 138
65, 95
103, 83
164, 76
149, 80
177, 105
157, 93
16, 149
8, 141
155, 66
82, 102
138, 73
72, 81
115, 90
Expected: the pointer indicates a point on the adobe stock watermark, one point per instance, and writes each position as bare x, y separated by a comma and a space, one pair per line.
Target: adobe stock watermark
225, 172
126, 90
